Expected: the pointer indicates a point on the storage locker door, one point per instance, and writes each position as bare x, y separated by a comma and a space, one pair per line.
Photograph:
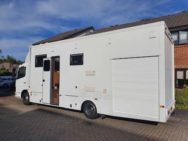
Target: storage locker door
135, 88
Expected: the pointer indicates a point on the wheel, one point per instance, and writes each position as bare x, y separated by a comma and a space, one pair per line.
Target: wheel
25, 98
90, 110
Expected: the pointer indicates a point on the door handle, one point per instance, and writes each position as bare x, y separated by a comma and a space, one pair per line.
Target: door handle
43, 80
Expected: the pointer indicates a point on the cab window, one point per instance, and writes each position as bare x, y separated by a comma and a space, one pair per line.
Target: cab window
21, 72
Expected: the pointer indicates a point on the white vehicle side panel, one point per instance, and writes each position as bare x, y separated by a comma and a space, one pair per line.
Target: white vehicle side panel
135, 87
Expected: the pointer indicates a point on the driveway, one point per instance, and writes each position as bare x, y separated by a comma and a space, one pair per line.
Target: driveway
40, 123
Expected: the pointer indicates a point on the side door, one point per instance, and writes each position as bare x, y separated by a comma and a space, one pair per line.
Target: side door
21, 80
46, 81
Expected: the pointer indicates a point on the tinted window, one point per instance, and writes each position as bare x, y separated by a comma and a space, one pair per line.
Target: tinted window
56, 63
39, 60
21, 72
46, 65
76, 59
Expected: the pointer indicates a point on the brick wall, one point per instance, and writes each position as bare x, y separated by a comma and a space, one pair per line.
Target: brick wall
181, 56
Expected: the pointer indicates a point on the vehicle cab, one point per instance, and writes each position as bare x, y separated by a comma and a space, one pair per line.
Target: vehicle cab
21, 80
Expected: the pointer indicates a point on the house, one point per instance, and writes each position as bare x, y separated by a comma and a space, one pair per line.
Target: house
9, 67
178, 26
67, 35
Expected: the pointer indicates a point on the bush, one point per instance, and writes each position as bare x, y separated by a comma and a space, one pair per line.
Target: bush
4, 72
182, 98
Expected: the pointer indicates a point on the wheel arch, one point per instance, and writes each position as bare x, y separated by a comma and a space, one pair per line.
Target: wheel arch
86, 101
22, 93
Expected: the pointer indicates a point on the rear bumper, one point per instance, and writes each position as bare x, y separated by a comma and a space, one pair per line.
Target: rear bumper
170, 109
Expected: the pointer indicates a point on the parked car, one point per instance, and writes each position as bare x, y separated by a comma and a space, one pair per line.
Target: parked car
7, 82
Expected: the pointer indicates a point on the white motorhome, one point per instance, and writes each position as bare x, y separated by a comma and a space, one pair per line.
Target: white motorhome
128, 72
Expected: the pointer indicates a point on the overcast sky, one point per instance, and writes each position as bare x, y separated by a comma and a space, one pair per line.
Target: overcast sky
23, 22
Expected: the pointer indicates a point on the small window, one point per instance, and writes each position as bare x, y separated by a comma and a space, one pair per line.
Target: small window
175, 37
46, 65
183, 37
39, 60
186, 76
56, 64
21, 72
76, 59
180, 74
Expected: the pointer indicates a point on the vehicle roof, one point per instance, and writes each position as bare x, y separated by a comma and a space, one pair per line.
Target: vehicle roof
65, 35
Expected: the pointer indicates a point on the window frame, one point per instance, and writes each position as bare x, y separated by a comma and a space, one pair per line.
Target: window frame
57, 64
177, 41
76, 55
36, 61
48, 67
179, 81
178, 34
181, 32
19, 71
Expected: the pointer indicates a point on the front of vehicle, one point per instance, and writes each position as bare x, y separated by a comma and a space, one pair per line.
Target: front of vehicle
22, 81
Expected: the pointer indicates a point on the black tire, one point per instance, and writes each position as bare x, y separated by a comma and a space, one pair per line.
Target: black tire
90, 110
26, 98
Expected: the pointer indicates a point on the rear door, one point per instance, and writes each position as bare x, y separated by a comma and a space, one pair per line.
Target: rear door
21, 80
135, 87
46, 81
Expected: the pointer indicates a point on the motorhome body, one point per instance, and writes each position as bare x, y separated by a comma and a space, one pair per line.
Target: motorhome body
125, 73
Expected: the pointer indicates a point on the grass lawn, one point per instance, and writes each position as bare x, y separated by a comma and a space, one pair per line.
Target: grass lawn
182, 99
